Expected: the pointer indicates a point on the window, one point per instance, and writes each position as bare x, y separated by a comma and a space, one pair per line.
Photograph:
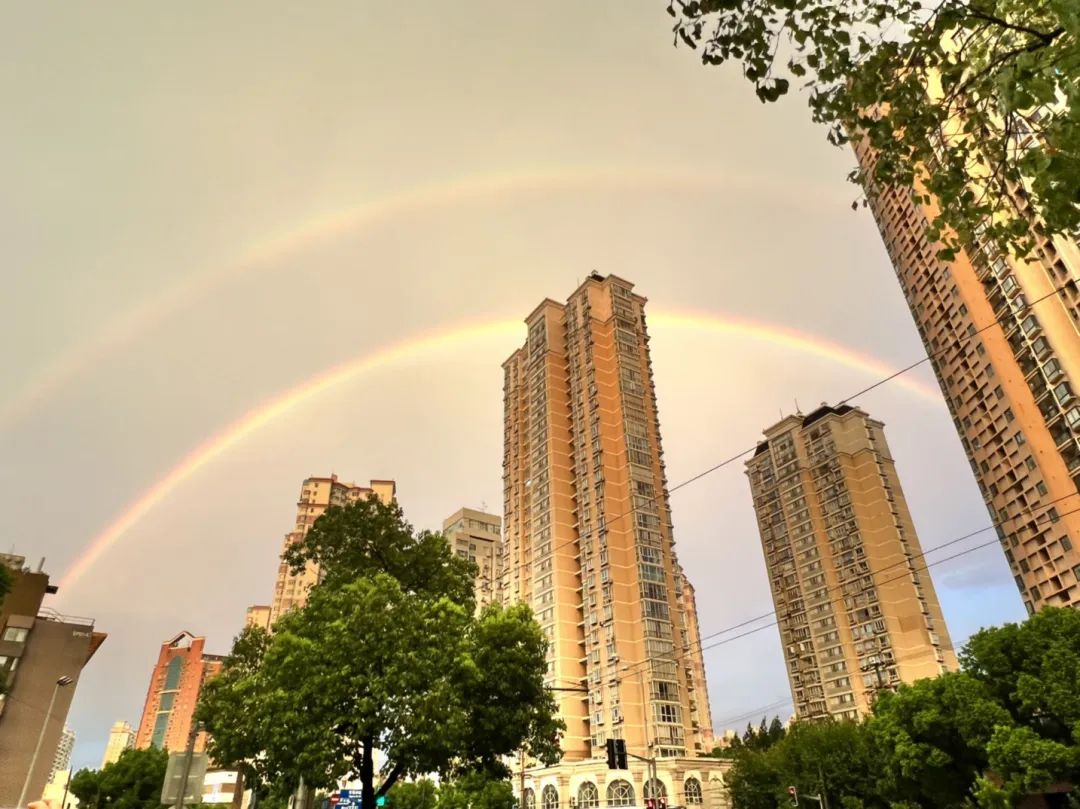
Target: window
549, 798
1040, 487
1066, 544
529, 801
693, 792
1062, 392
16, 634
619, 793
172, 674
588, 796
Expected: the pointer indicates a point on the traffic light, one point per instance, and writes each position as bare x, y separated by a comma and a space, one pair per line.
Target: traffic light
380, 801
794, 793
616, 754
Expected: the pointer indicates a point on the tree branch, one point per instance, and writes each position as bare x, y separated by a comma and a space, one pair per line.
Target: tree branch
1046, 36
391, 778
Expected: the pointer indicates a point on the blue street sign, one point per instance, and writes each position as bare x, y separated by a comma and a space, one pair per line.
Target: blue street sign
349, 799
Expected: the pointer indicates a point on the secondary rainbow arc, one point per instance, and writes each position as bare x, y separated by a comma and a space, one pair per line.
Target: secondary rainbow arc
418, 346
332, 223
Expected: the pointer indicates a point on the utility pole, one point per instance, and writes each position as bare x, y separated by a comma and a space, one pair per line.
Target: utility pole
189, 754
521, 778
821, 785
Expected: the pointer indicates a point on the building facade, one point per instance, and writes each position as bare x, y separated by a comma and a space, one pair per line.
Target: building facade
317, 494
64, 748
42, 655
121, 738
855, 605
588, 544
175, 685
476, 536
258, 615
1002, 335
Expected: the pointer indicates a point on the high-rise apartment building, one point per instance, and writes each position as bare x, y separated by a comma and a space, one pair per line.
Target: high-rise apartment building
316, 496
121, 738
258, 615
854, 602
175, 684
588, 544
64, 748
476, 536
1002, 335
42, 655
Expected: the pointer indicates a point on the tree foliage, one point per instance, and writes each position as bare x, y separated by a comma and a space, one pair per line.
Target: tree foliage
6, 581
945, 92
382, 658
837, 758
134, 781
368, 537
420, 794
1006, 726
474, 791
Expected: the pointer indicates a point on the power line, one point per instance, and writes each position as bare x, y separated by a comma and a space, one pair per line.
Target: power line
651, 501
905, 561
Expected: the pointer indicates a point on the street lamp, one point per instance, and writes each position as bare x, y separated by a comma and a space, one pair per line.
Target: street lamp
61, 682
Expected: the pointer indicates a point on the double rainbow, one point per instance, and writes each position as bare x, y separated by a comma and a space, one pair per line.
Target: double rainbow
453, 338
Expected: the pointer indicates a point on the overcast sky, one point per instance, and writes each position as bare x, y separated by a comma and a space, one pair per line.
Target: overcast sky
204, 205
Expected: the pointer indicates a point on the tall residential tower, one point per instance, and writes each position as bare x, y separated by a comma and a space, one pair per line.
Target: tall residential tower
855, 605
121, 738
316, 496
175, 685
475, 535
1002, 335
588, 544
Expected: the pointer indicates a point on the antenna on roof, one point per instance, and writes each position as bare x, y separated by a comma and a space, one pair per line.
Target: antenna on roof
797, 408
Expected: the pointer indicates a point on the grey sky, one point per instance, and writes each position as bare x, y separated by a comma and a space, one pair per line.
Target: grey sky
146, 145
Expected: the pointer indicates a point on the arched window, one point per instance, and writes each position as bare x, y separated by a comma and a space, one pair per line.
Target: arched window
549, 798
588, 797
620, 793
654, 788
693, 792
529, 801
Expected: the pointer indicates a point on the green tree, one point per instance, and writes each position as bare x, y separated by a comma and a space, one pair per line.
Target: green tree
944, 92
420, 794
6, 581
933, 736
476, 790
134, 781
776, 731
374, 661
368, 537
835, 758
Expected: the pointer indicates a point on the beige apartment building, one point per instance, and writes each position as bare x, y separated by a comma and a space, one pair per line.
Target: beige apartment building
588, 544
121, 738
258, 615
317, 494
1002, 335
42, 656
855, 605
477, 536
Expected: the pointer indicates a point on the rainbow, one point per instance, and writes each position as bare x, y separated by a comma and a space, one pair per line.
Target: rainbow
455, 337
262, 255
